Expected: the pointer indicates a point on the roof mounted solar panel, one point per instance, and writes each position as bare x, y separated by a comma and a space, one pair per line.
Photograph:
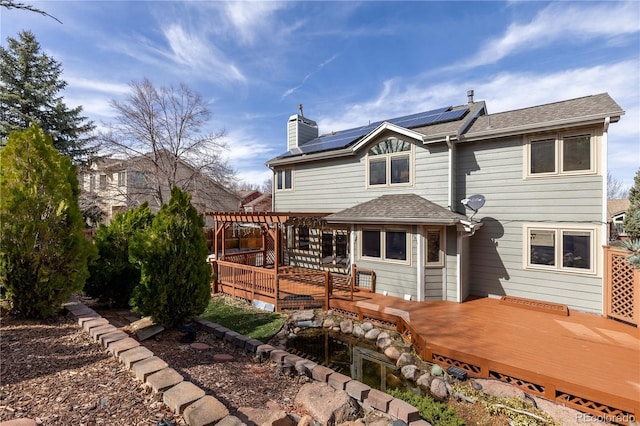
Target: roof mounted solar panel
344, 138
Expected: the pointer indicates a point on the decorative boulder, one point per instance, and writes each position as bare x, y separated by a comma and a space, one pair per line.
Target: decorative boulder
383, 342
367, 326
409, 372
358, 332
372, 334
436, 370
328, 323
438, 389
346, 326
405, 359
392, 352
424, 381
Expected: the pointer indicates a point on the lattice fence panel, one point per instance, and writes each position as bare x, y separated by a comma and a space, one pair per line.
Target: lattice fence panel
622, 289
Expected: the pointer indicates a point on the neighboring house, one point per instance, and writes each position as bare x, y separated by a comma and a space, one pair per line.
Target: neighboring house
616, 211
394, 191
121, 184
262, 203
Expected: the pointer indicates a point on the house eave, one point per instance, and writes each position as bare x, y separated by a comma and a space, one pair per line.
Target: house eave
305, 158
393, 220
540, 127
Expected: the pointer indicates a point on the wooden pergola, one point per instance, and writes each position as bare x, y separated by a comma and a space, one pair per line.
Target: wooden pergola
269, 222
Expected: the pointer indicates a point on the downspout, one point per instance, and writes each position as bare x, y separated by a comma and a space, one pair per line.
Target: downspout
450, 174
459, 267
420, 260
605, 215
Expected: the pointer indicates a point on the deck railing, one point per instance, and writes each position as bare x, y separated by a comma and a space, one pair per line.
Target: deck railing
253, 258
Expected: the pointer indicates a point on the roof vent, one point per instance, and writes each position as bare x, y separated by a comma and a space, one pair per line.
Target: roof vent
470, 96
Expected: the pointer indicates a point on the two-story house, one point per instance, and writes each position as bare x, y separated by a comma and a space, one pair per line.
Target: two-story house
534, 216
118, 184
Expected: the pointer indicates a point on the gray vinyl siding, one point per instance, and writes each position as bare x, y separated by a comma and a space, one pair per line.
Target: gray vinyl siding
451, 264
433, 283
332, 185
394, 278
495, 169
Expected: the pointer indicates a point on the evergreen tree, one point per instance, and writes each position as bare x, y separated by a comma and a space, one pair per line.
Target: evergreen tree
112, 277
44, 254
631, 222
171, 253
29, 94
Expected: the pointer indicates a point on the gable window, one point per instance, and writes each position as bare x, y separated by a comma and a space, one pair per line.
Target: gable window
284, 179
560, 249
389, 162
561, 154
434, 248
385, 244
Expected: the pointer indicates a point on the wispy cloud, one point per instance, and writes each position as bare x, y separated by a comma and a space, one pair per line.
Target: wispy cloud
192, 49
251, 19
559, 22
308, 76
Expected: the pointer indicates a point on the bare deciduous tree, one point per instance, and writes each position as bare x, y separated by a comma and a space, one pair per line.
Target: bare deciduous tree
615, 188
160, 133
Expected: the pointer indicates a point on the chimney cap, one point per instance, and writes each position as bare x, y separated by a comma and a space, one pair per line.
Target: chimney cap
470, 95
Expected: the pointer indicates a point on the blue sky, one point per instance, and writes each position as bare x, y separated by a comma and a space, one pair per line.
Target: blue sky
348, 63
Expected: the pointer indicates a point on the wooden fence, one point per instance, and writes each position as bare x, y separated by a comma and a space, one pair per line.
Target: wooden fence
621, 287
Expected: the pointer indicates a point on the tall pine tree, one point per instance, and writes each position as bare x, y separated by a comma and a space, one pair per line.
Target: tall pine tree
44, 254
30, 94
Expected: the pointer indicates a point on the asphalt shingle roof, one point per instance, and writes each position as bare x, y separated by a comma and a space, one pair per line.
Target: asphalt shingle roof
398, 208
595, 106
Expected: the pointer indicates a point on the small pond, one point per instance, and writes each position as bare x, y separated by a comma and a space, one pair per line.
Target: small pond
353, 357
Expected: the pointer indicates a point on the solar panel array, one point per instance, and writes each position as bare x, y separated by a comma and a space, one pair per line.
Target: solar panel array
344, 138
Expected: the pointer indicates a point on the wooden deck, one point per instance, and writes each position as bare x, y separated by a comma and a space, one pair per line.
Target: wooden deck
581, 360
584, 361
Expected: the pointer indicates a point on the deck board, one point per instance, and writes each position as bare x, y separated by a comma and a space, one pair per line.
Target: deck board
584, 354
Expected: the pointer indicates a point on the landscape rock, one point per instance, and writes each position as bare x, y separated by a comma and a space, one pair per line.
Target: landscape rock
499, 389
328, 323
327, 406
372, 334
303, 316
436, 370
358, 332
424, 381
367, 326
392, 352
438, 388
346, 326
264, 417
409, 372
384, 342
405, 359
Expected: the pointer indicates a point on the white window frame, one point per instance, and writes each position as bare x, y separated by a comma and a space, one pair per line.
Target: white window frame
558, 153
387, 158
282, 172
382, 230
103, 182
440, 262
558, 231
122, 179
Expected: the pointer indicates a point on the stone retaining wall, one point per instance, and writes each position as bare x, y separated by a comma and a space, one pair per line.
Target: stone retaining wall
198, 409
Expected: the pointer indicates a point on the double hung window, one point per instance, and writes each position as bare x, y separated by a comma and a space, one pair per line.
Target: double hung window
284, 179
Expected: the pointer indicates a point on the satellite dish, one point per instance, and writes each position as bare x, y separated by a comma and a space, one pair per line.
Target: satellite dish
475, 202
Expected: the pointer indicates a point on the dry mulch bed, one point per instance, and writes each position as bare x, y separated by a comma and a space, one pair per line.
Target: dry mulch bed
54, 373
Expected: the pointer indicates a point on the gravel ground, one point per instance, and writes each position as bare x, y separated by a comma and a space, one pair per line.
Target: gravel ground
54, 373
